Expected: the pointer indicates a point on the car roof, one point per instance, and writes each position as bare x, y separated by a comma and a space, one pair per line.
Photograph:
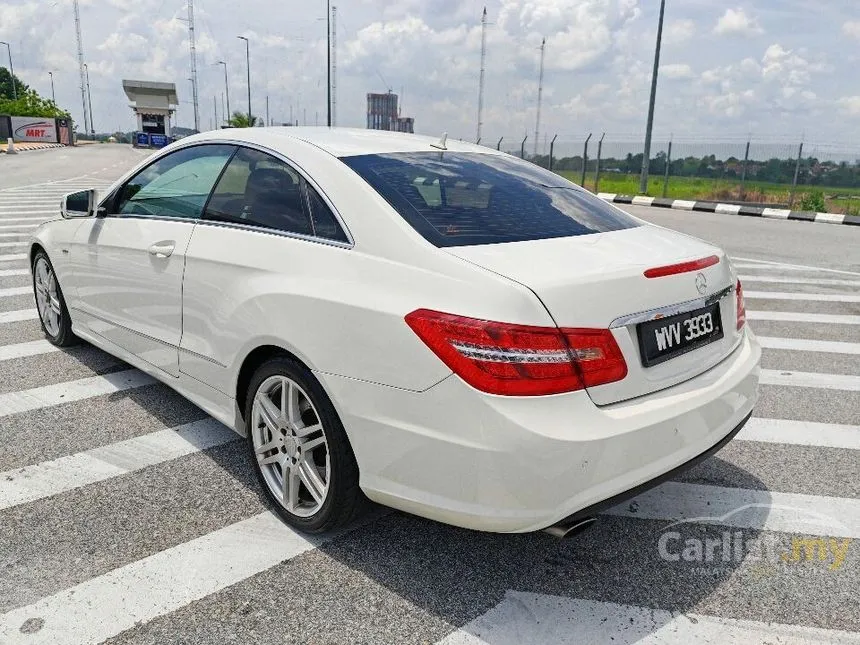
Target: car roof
340, 142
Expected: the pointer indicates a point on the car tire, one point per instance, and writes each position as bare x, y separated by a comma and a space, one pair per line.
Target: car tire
275, 440
51, 305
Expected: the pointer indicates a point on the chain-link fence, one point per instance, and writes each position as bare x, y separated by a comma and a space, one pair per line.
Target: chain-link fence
807, 176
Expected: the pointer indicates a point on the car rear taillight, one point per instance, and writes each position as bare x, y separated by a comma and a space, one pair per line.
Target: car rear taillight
520, 360
742, 311
683, 267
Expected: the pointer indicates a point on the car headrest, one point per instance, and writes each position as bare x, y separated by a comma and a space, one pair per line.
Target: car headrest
272, 180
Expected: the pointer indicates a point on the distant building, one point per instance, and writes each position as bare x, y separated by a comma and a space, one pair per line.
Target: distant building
384, 114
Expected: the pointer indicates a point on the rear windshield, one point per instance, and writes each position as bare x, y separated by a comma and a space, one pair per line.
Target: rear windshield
459, 199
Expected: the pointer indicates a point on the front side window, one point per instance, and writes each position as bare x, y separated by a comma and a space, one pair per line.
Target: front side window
177, 185
459, 199
260, 190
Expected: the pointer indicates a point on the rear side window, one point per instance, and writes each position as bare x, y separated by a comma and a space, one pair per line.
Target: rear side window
459, 199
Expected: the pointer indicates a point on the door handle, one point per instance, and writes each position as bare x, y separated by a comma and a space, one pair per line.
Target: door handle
162, 249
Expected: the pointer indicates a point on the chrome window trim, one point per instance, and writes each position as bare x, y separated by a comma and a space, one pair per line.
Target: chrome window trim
671, 310
273, 231
253, 146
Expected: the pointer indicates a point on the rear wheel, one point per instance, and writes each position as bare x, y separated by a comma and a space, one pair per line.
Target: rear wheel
303, 459
53, 313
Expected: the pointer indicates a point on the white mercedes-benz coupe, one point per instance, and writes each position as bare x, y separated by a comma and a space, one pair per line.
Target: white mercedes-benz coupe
437, 326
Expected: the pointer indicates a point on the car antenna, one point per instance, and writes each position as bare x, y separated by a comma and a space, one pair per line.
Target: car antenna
442, 142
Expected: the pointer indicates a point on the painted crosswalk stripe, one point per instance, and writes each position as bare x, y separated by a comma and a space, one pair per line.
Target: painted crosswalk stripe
25, 350
804, 345
13, 245
37, 481
819, 297
34, 218
761, 510
11, 234
824, 282
12, 257
799, 316
526, 617
33, 211
106, 605
18, 315
6, 273
783, 265
801, 433
85, 388
14, 291
811, 379
17, 227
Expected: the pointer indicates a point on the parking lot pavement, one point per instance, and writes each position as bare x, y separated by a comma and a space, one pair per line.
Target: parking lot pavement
127, 516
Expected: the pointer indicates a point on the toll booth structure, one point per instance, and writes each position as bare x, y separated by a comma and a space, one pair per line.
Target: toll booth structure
153, 104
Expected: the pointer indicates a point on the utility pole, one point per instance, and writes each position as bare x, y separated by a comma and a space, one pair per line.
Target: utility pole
12, 70
481, 77
328, 58
228, 115
540, 93
334, 65
267, 123
248, 66
90, 100
646, 157
81, 65
193, 47
215, 108
53, 96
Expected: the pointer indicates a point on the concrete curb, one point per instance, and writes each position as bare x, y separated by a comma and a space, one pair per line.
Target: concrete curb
26, 147
731, 209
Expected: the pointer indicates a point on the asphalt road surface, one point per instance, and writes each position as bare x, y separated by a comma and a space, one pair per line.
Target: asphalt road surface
128, 516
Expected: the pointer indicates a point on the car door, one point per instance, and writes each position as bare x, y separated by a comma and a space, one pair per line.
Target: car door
129, 261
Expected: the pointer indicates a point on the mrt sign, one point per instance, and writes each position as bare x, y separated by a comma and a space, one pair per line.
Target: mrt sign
25, 128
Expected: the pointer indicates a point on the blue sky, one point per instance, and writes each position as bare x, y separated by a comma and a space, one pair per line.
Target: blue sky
779, 70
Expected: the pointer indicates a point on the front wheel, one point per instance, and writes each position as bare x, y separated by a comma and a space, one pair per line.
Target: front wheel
302, 455
53, 313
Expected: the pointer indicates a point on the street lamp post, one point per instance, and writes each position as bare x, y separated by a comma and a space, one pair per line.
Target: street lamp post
646, 157
53, 96
89, 100
248, 65
328, 59
11, 71
228, 115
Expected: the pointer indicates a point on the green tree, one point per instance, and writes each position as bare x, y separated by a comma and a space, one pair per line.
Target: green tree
31, 104
6, 85
242, 120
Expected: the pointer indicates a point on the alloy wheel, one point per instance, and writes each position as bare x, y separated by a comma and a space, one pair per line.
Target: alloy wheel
47, 297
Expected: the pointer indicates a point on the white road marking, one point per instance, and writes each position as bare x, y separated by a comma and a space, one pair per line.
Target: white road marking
790, 280
525, 617
13, 245
18, 316
683, 204
14, 291
24, 350
801, 433
727, 209
761, 510
6, 273
804, 345
793, 316
33, 211
13, 234
17, 227
830, 218
30, 483
811, 379
85, 388
642, 200
106, 605
36, 218
783, 265
777, 213
784, 295
12, 257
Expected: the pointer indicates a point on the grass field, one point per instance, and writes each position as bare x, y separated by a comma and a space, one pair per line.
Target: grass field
848, 200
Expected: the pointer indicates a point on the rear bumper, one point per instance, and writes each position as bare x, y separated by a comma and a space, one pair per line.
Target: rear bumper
517, 464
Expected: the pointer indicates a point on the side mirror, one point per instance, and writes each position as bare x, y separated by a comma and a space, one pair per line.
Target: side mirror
80, 204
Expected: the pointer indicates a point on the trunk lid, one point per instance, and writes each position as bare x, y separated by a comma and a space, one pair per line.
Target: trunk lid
598, 281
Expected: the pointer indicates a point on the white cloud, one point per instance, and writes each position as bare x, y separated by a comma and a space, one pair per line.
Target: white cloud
788, 67
849, 105
736, 22
676, 71
852, 28
679, 32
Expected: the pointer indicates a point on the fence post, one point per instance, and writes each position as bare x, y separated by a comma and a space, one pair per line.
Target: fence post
796, 173
666, 175
597, 171
744, 172
499, 144
523, 147
585, 159
551, 148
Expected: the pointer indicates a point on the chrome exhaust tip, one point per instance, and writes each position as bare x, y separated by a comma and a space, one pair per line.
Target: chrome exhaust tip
569, 529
